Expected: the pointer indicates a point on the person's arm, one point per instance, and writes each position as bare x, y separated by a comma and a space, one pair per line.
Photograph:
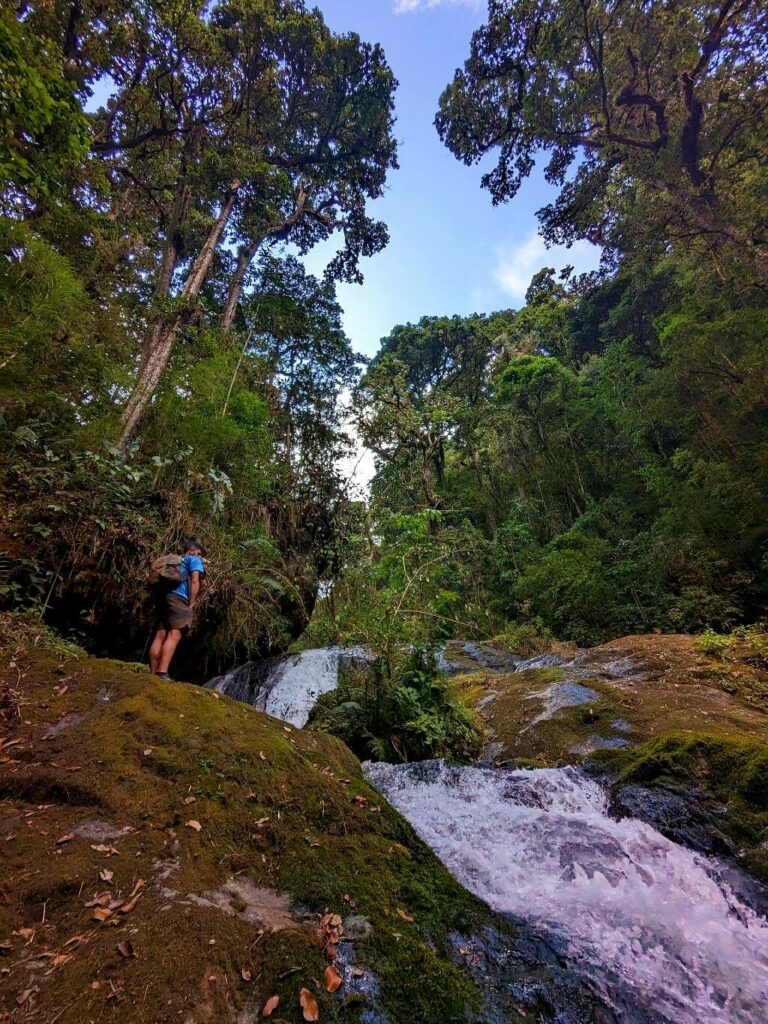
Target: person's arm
194, 587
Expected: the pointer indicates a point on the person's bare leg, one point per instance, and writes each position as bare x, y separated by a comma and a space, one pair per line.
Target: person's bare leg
155, 649
170, 644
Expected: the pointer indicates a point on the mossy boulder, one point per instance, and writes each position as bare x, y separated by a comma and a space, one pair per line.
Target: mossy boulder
168, 855
620, 694
723, 781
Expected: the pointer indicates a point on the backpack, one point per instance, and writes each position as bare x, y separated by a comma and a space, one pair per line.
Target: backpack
167, 572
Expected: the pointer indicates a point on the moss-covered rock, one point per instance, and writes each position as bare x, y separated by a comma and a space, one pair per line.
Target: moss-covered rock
725, 779
620, 694
235, 833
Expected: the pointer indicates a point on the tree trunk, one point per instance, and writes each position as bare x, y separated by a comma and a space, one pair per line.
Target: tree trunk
163, 333
244, 257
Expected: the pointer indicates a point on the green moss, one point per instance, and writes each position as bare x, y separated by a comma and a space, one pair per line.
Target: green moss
287, 809
734, 772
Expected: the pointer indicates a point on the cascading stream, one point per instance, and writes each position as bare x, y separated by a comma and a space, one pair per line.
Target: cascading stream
639, 914
287, 688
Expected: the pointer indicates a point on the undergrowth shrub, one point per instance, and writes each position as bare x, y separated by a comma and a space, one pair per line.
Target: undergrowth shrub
409, 713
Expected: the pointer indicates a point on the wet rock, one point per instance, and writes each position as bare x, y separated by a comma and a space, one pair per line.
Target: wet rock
595, 742
685, 815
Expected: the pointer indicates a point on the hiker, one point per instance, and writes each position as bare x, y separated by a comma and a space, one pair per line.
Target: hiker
175, 580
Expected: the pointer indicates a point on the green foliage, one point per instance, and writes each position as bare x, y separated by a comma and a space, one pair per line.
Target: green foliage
43, 131
599, 470
409, 713
654, 120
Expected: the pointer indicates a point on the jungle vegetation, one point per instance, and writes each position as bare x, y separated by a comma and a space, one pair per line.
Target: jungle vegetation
589, 465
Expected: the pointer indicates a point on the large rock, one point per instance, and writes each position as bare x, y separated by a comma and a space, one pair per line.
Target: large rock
169, 854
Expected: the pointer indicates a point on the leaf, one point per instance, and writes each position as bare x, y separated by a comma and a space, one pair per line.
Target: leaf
358, 973
134, 898
308, 1004
194, 825
109, 851
332, 978
125, 948
5, 945
65, 839
190, 800
270, 1005
245, 974
402, 913
106, 875
101, 913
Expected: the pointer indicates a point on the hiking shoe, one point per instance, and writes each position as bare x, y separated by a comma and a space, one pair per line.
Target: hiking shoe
163, 675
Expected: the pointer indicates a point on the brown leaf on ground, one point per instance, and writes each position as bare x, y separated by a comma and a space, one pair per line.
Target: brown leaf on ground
402, 913
106, 875
109, 851
101, 899
308, 1005
134, 898
194, 825
101, 913
5, 945
125, 948
190, 800
65, 839
270, 1005
358, 973
245, 974
58, 961
332, 978
76, 940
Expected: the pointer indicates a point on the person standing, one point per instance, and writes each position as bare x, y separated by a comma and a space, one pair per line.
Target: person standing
175, 608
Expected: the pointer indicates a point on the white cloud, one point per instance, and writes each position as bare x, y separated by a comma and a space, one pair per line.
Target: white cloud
516, 264
409, 6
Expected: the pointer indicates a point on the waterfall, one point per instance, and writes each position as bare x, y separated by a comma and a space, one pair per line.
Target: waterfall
653, 924
288, 688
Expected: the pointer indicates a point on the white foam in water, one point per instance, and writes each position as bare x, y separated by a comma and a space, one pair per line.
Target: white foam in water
298, 680
637, 911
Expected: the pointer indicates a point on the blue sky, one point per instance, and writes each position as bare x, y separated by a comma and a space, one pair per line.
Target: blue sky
450, 250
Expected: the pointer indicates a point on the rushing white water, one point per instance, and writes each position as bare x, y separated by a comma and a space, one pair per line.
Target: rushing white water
288, 688
638, 913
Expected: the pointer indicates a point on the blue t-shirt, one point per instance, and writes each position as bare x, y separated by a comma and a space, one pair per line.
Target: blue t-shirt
189, 564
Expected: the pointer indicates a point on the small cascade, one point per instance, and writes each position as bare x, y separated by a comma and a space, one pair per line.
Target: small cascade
288, 688
661, 932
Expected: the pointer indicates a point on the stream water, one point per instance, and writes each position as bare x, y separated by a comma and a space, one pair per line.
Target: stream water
663, 933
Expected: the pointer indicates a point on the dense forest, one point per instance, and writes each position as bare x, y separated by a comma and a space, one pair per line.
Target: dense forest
590, 465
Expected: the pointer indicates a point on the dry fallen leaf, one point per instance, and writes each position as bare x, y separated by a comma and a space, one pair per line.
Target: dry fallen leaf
148, 751
261, 821
270, 1005
261, 755
106, 875
358, 973
101, 913
190, 800
194, 824
65, 839
103, 848
125, 948
402, 913
245, 974
332, 978
5, 945
308, 1004
134, 898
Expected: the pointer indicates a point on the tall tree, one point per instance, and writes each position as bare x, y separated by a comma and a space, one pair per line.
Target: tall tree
660, 109
259, 123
